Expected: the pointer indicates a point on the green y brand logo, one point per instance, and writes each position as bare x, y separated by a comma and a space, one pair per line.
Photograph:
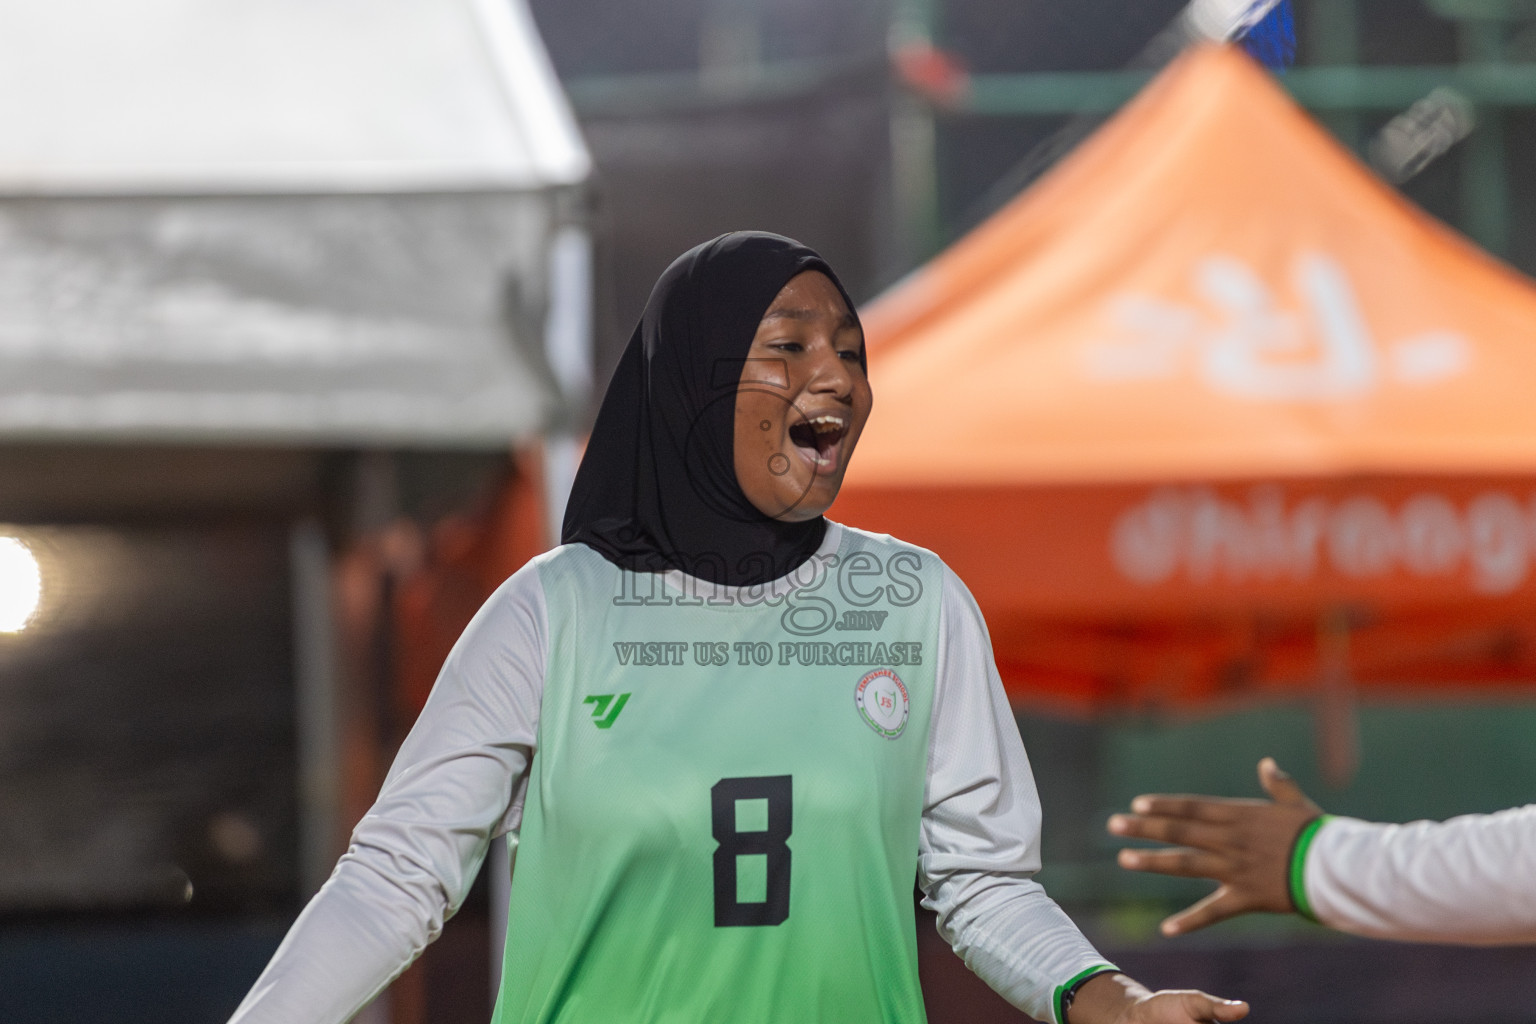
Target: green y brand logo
602, 716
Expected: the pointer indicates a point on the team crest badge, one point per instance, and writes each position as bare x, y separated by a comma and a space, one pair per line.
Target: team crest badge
882, 701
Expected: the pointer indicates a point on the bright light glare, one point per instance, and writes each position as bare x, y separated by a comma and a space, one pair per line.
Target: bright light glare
21, 585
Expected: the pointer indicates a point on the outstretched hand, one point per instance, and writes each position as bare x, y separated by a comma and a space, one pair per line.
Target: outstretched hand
1245, 845
1182, 1006
1117, 999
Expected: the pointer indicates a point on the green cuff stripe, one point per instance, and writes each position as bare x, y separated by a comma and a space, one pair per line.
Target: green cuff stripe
1072, 983
1299, 865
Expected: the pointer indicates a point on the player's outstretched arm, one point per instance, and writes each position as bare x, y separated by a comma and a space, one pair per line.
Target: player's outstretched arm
1117, 999
417, 851
980, 846
1244, 845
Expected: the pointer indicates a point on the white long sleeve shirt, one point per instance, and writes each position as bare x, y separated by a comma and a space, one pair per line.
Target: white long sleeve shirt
458, 781
1468, 880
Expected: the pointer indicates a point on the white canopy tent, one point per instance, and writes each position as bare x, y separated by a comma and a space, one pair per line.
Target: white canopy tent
298, 222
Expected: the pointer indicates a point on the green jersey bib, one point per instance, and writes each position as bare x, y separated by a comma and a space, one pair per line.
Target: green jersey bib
723, 809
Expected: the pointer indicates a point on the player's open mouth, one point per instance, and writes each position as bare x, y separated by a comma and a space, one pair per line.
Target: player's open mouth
819, 439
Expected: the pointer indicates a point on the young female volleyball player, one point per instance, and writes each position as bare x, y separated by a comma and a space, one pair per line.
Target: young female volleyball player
721, 732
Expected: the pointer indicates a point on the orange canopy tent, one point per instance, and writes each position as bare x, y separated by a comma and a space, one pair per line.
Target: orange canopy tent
1210, 411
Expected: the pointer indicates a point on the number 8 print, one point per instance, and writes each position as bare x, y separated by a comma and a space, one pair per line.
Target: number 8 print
768, 843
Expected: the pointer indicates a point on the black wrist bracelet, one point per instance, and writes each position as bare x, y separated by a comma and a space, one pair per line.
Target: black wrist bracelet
1068, 992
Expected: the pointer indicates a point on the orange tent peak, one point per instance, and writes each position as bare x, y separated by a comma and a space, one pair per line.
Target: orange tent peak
1208, 287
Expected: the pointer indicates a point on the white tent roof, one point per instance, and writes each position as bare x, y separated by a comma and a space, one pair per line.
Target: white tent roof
193, 96
409, 320
311, 222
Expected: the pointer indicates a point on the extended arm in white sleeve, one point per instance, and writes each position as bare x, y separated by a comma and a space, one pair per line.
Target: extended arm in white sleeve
1468, 880
455, 785
980, 840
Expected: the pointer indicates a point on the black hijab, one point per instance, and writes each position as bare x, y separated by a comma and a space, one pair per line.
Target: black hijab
657, 486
